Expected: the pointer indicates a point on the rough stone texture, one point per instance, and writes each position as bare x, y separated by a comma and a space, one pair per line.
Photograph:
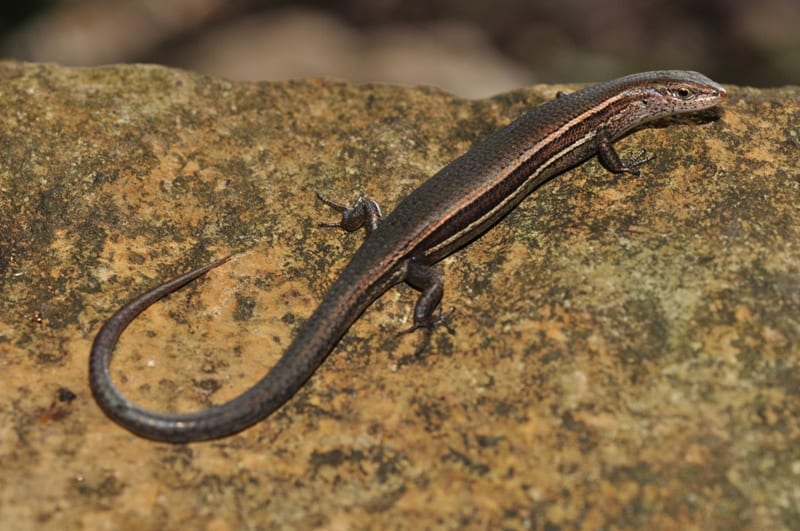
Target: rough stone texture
626, 349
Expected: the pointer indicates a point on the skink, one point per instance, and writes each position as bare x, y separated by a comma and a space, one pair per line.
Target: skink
452, 208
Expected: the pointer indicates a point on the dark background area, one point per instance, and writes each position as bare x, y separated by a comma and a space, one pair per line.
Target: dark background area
474, 48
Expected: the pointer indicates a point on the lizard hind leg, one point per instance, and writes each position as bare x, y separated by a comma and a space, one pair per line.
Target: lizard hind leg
427, 312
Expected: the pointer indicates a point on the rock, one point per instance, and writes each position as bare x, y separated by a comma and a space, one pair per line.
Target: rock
626, 349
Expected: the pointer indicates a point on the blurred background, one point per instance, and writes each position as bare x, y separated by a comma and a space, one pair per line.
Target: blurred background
473, 48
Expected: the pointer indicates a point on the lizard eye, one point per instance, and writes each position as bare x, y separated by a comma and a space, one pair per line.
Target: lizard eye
684, 93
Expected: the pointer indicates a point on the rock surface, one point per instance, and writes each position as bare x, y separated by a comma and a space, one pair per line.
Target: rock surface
626, 350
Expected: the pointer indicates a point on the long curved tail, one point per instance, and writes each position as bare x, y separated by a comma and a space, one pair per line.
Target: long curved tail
342, 305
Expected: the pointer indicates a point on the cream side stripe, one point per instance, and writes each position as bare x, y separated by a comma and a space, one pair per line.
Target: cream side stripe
523, 190
522, 159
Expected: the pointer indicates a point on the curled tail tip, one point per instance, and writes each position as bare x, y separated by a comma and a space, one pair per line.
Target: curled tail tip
220, 261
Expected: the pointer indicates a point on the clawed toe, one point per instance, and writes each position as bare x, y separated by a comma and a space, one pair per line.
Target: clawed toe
442, 319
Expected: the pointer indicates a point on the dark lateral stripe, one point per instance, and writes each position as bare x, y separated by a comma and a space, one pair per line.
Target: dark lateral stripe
536, 165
